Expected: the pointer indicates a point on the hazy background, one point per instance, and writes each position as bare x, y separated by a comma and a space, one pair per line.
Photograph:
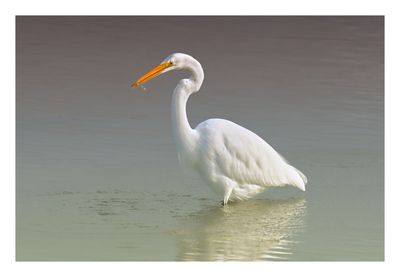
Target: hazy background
97, 172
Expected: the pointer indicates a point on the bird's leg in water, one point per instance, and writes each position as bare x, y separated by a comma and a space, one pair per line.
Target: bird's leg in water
227, 186
228, 192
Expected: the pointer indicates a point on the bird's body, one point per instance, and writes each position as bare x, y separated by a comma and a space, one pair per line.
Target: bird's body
232, 158
234, 161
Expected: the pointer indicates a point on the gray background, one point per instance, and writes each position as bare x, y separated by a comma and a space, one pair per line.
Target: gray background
97, 172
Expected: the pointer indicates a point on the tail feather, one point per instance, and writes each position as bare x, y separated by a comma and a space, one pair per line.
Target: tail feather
304, 177
300, 180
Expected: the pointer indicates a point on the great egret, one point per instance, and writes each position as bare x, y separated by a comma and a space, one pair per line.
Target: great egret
236, 162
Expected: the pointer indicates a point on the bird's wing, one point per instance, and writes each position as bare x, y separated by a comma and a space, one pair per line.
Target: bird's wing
245, 158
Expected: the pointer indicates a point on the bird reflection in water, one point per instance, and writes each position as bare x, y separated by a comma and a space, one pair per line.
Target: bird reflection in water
252, 230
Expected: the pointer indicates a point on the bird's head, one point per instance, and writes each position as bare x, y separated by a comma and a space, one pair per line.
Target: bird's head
175, 61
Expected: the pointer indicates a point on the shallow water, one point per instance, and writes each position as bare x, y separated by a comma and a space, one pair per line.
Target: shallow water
97, 173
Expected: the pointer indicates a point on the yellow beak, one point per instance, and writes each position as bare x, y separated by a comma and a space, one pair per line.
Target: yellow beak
151, 74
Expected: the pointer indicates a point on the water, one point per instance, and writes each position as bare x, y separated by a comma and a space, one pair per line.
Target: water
97, 173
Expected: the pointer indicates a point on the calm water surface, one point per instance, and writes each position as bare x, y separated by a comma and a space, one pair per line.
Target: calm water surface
97, 173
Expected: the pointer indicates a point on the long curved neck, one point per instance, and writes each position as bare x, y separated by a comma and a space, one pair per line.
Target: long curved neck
185, 136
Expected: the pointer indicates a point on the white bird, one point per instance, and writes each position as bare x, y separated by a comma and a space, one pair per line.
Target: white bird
234, 161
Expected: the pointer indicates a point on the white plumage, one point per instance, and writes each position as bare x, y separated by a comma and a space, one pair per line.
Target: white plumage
236, 162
